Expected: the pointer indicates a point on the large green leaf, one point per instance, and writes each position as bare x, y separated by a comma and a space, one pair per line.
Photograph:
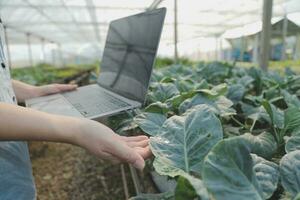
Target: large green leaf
215, 72
185, 85
203, 84
224, 106
263, 145
209, 94
157, 107
267, 174
272, 93
150, 123
276, 115
236, 92
292, 144
228, 171
257, 76
231, 131
162, 91
292, 120
185, 140
206, 96
189, 187
255, 113
163, 167
297, 197
176, 100
273, 78
168, 79
221, 104
253, 100
291, 100
290, 172
216, 91
245, 80
293, 82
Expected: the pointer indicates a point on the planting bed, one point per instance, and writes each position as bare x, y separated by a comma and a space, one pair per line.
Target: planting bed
218, 131
223, 132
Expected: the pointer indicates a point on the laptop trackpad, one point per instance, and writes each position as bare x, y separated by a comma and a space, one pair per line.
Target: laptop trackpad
54, 104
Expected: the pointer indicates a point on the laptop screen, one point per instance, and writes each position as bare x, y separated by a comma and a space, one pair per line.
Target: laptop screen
130, 52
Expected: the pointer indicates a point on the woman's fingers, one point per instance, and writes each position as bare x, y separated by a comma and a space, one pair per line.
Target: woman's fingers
126, 154
64, 87
134, 138
144, 152
133, 153
143, 143
56, 88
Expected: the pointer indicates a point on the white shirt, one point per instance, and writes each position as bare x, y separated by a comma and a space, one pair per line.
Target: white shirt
16, 180
6, 92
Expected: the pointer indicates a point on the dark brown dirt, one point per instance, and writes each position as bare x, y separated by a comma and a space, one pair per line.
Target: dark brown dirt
64, 172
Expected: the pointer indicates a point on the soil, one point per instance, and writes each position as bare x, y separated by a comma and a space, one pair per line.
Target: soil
67, 172
64, 172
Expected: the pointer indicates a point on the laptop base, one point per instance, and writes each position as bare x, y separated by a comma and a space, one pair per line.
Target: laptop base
90, 102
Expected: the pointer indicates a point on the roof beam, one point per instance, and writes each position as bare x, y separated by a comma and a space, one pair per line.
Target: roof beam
154, 4
74, 21
64, 23
93, 17
43, 14
28, 32
45, 6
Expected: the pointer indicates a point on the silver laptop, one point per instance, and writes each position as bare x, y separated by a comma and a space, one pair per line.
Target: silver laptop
125, 71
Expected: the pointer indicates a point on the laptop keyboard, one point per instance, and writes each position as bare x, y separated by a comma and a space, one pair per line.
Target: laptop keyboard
93, 101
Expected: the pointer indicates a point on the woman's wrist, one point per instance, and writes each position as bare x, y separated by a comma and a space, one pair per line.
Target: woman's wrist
67, 129
78, 128
36, 91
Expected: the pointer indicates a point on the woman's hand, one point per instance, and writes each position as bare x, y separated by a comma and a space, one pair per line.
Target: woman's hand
52, 89
25, 91
104, 143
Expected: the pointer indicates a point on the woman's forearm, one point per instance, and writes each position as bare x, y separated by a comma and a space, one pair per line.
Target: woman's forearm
18, 123
23, 91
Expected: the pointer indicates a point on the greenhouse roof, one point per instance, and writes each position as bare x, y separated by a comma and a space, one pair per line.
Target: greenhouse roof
85, 22
293, 27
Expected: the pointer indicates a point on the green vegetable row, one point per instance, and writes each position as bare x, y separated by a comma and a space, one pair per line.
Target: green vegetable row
223, 132
44, 73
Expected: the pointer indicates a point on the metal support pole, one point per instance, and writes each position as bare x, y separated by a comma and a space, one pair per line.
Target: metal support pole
60, 55
135, 179
29, 49
53, 56
297, 47
284, 33
154, 4
266, 34
124, 180
43, 50
221, 57
255, 49
217, 48
7, 46
175, 33
242, 49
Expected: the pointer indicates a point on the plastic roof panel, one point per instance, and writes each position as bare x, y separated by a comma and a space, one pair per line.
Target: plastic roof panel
77, 23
